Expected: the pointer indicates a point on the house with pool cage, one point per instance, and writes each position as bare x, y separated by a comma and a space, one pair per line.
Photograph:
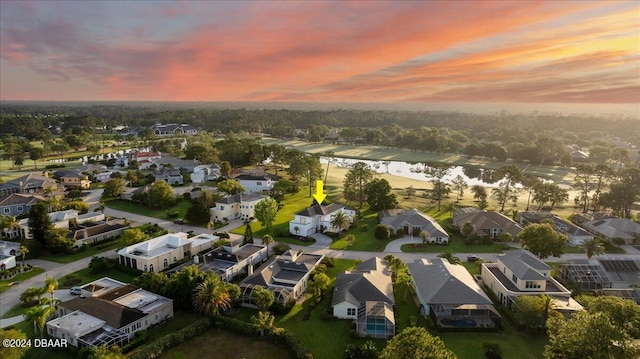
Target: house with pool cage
365, 295
286, 275
451, 297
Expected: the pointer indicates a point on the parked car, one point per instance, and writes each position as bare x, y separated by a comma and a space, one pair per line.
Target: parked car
75, 290
473, 258
179, 221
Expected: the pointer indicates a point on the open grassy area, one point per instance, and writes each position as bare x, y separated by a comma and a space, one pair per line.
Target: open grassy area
291, 204
131, 207
365, 240
5, 284
68, 258
215, 344
514, 343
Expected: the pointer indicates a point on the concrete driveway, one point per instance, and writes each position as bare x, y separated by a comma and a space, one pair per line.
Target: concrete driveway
322, 241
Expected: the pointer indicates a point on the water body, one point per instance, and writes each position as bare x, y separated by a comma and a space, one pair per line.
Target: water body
471, 175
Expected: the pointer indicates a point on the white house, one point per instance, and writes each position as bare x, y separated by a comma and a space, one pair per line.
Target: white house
103, 176
318, 219
149, 156
158, 253
173, 129
9, 248
204, 173
256, 183
238, 206
7, 262
612, 228
414, 222
519, 272
59, 219
109, 313
365, 295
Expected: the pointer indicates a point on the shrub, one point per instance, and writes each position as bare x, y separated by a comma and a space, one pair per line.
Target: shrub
186, 195
173, 214
364, 227
382, 232
100, 265
280, 308
329, 262
280, 248
619, 241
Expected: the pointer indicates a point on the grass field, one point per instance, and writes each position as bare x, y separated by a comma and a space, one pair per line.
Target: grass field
215, 344
5, 284
126, 206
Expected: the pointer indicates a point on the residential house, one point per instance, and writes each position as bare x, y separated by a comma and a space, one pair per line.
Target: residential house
517, 273
286, 275
173, 129
18, 204
414, 222
144, 155
365, 295
29, 184
575, 235
93, 232
598, 274
75, 180
318, 219
231, 260
121, 162
204, 173
59, 219
174, 162
612, 228
169, 175
238, 206
257, 184
486, 224
451, 296
103, 176
108, 312
158, 253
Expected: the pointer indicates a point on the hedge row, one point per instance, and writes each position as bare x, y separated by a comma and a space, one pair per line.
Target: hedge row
158, 346
276, 335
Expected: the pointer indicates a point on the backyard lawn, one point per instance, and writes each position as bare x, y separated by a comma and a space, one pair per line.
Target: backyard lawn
85, 276
127, 206
221, 344
291, 204
365, 240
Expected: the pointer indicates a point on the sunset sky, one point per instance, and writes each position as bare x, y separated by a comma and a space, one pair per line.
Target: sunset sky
414, 52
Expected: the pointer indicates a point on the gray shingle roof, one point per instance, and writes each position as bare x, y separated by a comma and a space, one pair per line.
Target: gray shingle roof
524, 264
397, 219
320, 210
369, 282
440, 282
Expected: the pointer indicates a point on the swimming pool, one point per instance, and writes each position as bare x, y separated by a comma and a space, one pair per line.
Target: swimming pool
376, 326
459, 323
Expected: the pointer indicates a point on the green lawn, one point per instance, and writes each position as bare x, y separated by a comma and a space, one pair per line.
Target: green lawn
365, 240
291, 204
514, 343
5, 284
68, 258
126, 206
227, 345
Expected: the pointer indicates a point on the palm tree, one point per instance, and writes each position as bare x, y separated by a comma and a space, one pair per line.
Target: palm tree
593, 247
51, 284
24, 250
404, 279
101, 207
340, 221
549, 308
448, 255
262, 321
39, 315
395, 264
31, 294
211, 296
266, 240
329, 155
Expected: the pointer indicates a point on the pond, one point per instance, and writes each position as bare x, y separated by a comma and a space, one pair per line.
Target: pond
471, 175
